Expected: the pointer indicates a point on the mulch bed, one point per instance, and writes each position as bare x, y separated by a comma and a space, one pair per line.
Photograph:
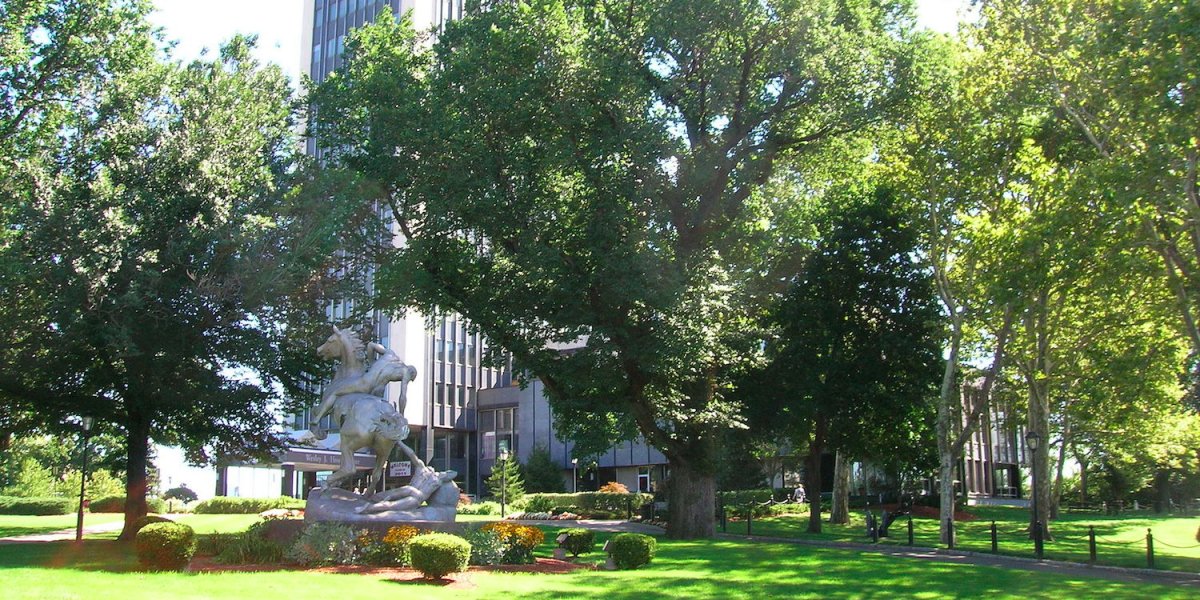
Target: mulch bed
548, 566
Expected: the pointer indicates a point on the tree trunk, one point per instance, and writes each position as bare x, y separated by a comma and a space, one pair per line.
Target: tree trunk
692, 489
1056, 497
137, 448
1083, 479
812, 474
840, 513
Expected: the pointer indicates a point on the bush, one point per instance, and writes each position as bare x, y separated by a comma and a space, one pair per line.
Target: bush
479, 508
613, 487
165, 546
519, 540
324, 544
579, 540
139, 524
487, 547
230, 505
249, 547
632, 550
12, 505
436, 555
213, 544
388, 551
180, 493
116, 504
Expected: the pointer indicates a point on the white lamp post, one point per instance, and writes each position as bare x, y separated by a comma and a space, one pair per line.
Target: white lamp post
503, 479
1032, 440
574, 475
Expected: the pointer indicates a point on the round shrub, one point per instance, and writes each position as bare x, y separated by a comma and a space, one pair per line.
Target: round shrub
632, 550
436, 555
141, 523
613, 487
165, 546
579, 540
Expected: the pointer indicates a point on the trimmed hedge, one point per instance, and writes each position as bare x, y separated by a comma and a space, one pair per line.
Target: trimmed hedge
116, 504
579, 540
13, 505
632, 550
436, 555
588, 503
165, 546
230, 505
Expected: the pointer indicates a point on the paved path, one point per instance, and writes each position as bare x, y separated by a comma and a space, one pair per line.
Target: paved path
994, 560
62, 534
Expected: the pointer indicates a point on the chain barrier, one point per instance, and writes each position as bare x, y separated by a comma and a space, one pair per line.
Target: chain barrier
1158, 542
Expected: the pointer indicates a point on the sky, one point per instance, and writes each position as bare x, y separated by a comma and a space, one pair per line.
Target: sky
196, 26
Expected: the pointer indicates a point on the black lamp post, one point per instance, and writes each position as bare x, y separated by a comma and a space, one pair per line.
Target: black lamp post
503, 479
1032, 440
87, 427
574, 475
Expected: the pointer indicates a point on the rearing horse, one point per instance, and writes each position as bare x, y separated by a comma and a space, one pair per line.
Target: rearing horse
365, 420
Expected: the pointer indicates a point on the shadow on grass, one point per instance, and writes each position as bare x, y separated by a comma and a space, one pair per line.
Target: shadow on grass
90, 555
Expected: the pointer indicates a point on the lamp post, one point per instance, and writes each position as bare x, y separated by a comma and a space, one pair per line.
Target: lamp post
87, 427
574, 475
1032, 440
503, 479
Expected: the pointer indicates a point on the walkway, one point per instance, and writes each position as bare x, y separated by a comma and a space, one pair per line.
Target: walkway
62, 534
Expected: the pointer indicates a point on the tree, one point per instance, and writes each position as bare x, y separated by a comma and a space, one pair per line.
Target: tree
505, 481
163, 274
564, 170
856, 358
540, 472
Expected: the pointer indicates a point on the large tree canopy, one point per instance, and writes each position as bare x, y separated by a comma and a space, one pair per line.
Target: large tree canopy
596, 170
151, 257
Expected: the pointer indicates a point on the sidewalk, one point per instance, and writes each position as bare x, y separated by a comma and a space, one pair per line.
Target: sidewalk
1191, 580
62, 534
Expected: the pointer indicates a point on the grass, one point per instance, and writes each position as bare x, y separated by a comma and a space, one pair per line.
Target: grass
695, 569
14, 525
1120, 540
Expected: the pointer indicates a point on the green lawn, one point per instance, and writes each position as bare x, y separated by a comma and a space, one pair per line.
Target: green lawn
1120, 540
13, 525
698, 569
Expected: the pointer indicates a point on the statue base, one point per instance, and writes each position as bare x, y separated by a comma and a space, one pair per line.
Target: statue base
338, 505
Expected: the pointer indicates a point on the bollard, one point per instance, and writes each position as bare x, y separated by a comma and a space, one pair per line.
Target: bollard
872, 527
1038, 547
749, 518
995, 543
910, 530
629, 509
1092, 544
1149, 549
724, 520
950, 534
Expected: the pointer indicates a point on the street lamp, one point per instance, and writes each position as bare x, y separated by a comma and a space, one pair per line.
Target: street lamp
574, 475
1032, 440
87, 426
503, 479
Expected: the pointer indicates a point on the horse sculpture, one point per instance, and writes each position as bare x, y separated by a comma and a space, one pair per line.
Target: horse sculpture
355, 399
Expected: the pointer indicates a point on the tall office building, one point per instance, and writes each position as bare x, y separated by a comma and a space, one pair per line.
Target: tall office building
449, 359
461, 412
